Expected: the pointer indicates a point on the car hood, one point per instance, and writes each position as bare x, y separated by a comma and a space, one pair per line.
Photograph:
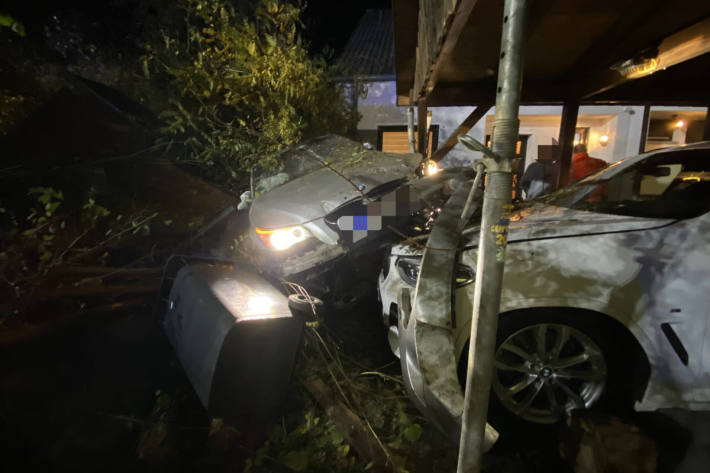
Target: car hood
539, 221
316, 194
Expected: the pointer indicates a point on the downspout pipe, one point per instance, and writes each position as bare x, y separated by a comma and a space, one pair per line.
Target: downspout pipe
493, 238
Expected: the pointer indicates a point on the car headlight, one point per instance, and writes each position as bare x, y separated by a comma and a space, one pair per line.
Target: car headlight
408, 269
281, 239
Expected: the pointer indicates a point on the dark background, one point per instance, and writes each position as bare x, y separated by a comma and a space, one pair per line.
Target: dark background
119, 23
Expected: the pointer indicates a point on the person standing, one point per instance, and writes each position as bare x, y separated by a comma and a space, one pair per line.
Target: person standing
582, 164
533, 180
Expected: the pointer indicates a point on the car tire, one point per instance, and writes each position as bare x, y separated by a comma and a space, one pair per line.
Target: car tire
549, 362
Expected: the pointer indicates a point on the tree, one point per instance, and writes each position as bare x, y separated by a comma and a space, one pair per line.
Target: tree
242, 88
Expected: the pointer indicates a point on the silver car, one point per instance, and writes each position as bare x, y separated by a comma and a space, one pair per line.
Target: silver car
287, 217
606, 299
321, 219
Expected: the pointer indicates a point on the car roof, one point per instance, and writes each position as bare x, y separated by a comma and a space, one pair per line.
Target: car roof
618, 166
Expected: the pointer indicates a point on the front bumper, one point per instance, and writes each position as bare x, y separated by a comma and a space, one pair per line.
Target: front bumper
425, 329
303, 257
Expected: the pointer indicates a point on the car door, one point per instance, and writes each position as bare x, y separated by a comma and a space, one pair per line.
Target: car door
675, 277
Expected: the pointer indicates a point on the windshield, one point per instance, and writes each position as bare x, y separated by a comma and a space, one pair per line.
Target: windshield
665, 185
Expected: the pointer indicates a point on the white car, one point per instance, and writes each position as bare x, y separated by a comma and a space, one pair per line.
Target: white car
605, 302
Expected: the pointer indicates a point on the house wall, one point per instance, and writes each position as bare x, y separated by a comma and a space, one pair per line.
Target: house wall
623, 129
378, 106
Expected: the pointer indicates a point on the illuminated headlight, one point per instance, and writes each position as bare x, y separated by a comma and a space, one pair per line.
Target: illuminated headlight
282, 238
408, 269
430, 167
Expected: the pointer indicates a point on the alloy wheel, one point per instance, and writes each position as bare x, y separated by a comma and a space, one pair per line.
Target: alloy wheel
544, 371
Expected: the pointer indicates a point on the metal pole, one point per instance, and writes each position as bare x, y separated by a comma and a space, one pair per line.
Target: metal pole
492, 241
410, 129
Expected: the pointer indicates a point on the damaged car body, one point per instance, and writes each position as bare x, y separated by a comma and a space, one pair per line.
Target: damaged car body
235, 336
314, 227
321, 221
600, 305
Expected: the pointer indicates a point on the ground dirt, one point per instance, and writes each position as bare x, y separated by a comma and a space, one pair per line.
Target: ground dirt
106, 393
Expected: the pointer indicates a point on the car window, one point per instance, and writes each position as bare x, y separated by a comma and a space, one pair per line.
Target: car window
666, 185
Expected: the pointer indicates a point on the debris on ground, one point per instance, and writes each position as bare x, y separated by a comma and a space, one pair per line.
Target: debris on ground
599, 443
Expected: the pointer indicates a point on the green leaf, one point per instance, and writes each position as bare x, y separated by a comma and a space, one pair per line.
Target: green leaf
6, 20
412, 432
344, 449
336, 438
296, 460
51, 207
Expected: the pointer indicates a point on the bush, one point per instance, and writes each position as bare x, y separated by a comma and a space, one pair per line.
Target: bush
243, 88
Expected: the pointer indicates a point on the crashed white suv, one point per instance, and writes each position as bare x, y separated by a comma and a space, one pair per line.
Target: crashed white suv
606, 297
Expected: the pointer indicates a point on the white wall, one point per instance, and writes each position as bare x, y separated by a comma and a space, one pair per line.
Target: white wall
624, 129
379, 107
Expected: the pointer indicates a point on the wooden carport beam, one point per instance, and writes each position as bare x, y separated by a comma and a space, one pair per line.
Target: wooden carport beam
570, 110
439, 31
646, 121
462, 129
422, 131
679, 47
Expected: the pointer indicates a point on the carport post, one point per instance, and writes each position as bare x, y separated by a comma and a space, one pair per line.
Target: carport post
492, 241
422, 131
568, 124
644, 128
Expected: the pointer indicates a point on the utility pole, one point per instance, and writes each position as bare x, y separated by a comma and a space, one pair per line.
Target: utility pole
493, 236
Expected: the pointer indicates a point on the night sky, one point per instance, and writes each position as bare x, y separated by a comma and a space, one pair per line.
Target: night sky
328, 23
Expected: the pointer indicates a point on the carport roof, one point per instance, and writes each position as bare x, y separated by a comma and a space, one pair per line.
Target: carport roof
446, 52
